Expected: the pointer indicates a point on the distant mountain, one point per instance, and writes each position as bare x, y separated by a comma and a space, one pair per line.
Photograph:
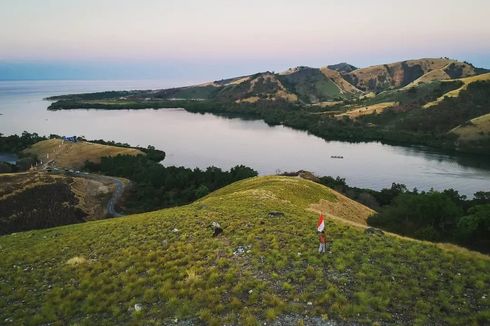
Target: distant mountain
419, 101
342, 67
334, 82
395, 75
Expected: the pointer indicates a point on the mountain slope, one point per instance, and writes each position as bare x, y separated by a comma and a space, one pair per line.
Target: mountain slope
464, 86
399, 74
166, 267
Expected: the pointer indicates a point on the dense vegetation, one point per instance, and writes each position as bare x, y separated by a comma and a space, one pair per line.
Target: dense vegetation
443, 216
16, 143
168, 264
157, 186
471, 103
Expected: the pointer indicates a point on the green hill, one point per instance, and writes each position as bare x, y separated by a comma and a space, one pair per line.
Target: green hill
166, 267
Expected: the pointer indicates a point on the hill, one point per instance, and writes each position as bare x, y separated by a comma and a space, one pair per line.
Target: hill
302, 84
385, 103
166, 267
72, 155
399, 74
473, 129
37, 199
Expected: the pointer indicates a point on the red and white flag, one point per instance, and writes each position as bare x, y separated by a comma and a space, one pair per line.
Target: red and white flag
321, 223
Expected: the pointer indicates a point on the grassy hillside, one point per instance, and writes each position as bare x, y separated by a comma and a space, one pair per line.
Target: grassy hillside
474, 129
73, 155
165, 266
310, 84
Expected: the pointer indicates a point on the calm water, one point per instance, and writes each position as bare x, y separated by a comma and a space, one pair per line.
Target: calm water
195, 140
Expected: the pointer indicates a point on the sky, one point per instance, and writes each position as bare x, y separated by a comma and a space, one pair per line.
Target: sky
195, 40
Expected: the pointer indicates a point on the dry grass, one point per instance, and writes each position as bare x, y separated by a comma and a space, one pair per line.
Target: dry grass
238, 81
438, 74
73, 155
343, 208
92, 195
475, 129
281, 92
455, 93
251, 99
366, 110
394, 72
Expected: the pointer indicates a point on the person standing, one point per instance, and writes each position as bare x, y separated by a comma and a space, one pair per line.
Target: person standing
321, 236
320, 226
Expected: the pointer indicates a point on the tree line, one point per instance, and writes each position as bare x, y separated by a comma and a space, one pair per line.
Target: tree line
440, 216
156, 186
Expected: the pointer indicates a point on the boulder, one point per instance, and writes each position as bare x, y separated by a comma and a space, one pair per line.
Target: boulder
217, 229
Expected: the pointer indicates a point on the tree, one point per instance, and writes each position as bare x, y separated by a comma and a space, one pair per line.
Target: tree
427, 216
474, 228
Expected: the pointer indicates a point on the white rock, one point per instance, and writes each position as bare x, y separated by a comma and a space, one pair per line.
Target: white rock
250, 292
309, 303
175, 230
138, 307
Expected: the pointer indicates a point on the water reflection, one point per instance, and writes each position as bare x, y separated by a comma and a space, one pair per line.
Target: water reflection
201, 140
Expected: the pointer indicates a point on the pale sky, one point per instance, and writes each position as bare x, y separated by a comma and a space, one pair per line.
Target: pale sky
217, 38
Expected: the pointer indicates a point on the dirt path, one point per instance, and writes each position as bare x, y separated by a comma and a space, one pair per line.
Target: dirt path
119, 187
116, 195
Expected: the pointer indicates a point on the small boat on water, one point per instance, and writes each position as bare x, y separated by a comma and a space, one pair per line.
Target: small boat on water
336, 156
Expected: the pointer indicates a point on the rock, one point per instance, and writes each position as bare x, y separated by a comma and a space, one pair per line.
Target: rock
309, 303
373, 231
275, 214
241, 250
175, 230
138, 307
217, 229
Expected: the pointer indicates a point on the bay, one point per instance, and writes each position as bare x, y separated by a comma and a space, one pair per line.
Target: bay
202, 140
